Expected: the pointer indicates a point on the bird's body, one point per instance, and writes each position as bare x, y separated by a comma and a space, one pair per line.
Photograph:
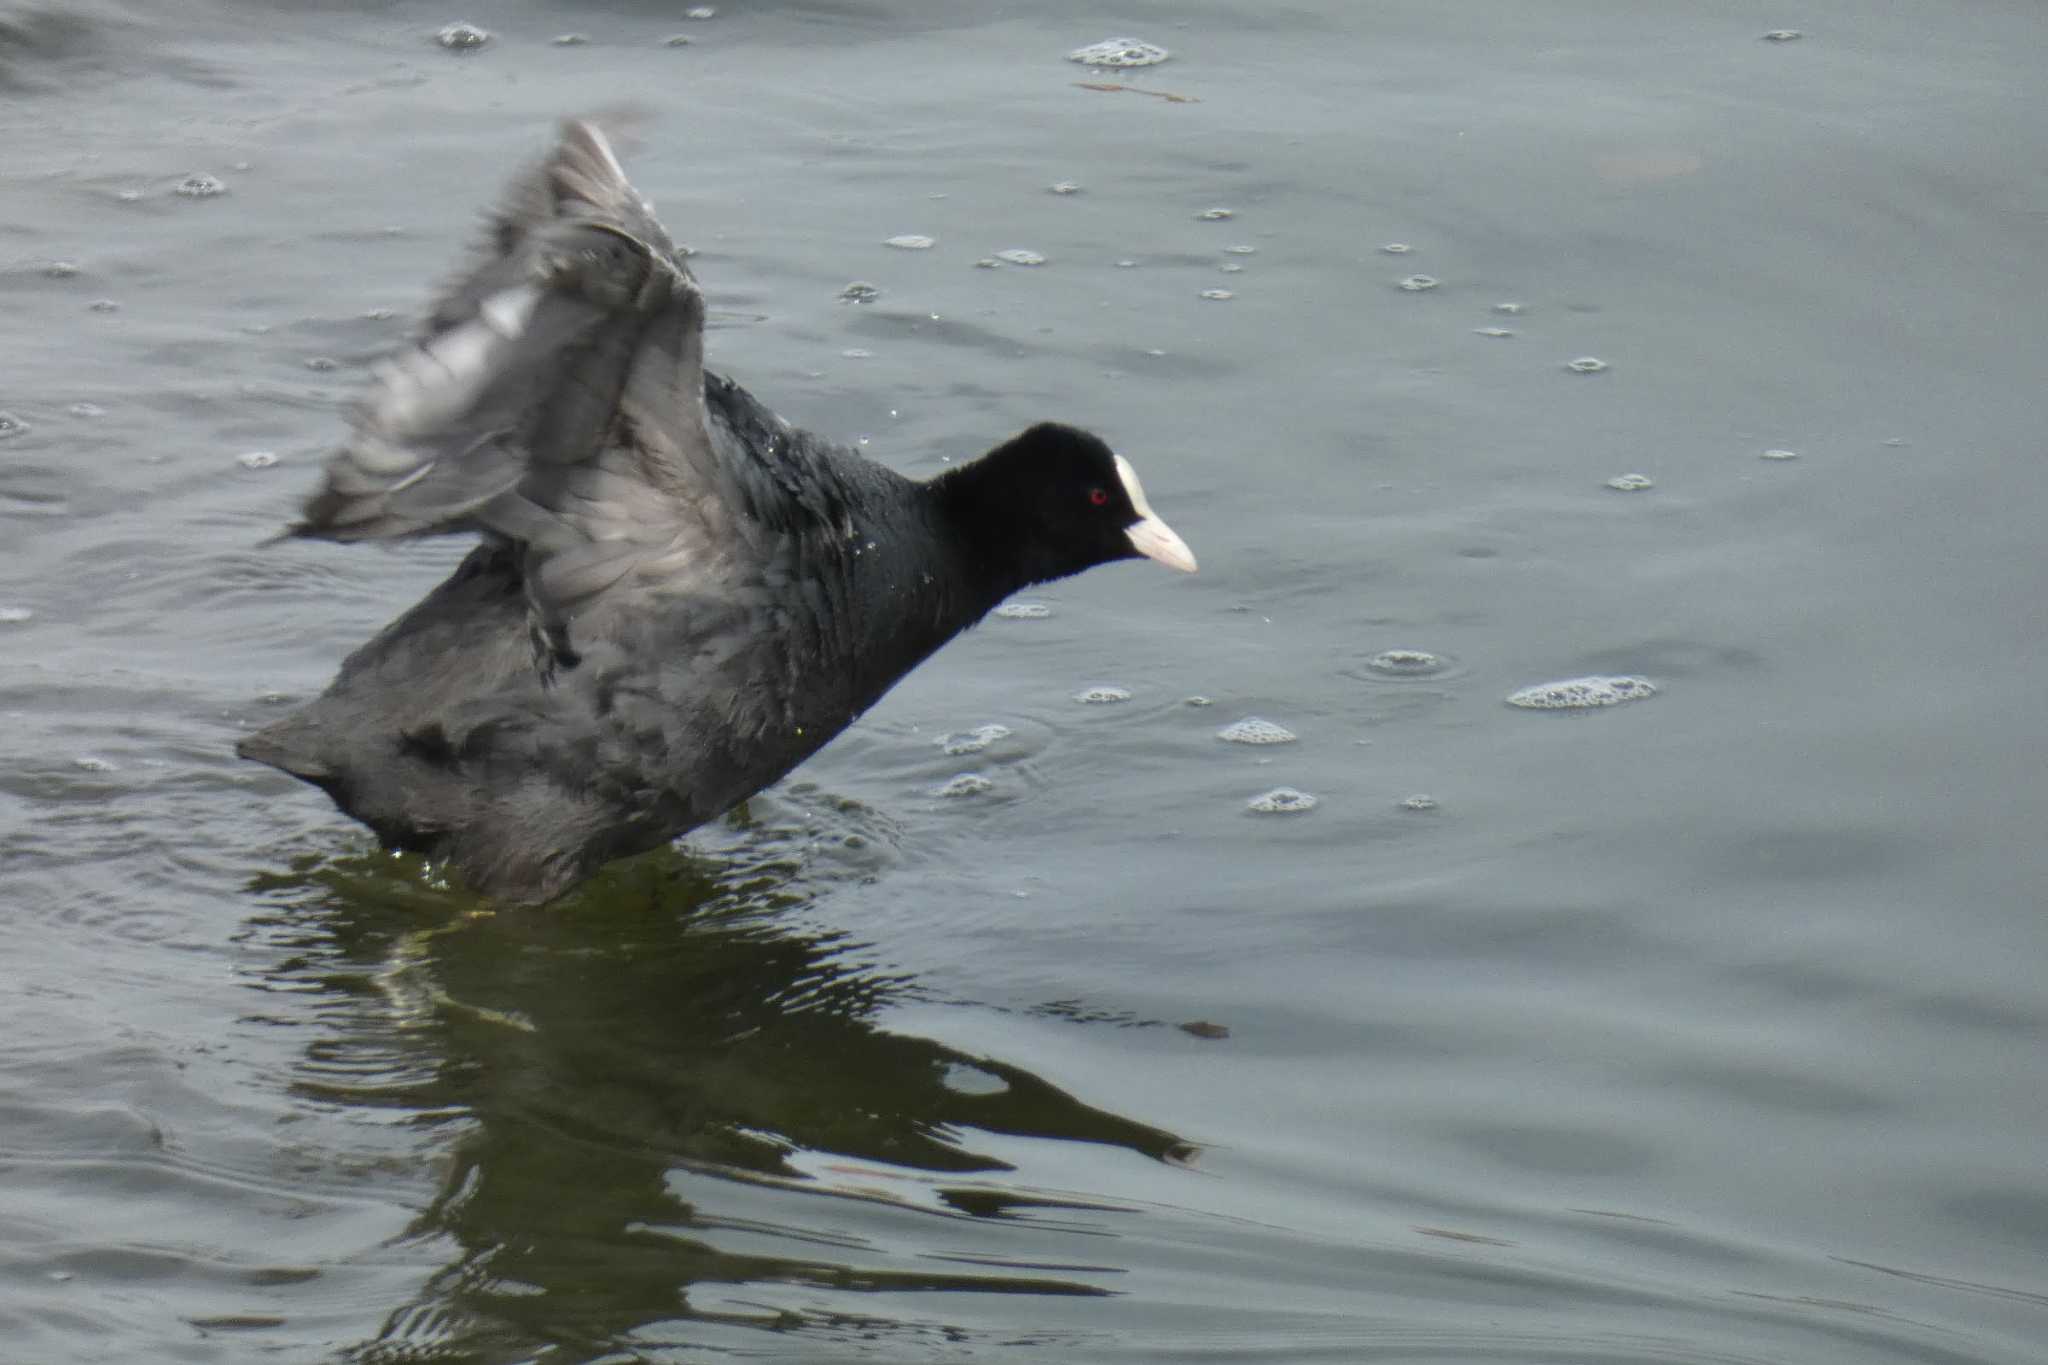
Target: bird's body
679, 597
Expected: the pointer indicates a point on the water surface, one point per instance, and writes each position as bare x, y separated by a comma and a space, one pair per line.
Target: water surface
1706, 1027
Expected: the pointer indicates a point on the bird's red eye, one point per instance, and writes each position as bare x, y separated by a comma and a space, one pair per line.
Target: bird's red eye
1099, 496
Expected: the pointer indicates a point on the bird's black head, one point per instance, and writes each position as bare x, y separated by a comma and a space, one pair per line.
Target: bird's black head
1054, 500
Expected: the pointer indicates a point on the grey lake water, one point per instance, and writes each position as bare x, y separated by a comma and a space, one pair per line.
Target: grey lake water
1702, 1028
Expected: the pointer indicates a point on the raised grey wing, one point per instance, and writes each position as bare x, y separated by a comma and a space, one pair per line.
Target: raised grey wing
555, 399
521, 361
580, 177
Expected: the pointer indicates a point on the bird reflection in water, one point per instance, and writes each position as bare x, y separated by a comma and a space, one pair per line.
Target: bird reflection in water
674, 1035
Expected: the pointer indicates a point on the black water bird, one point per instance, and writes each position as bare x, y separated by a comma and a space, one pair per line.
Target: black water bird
678, 596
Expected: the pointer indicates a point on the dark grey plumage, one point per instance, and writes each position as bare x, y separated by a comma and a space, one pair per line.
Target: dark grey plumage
678, 596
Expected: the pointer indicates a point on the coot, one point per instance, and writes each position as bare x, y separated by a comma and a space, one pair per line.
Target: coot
678, 596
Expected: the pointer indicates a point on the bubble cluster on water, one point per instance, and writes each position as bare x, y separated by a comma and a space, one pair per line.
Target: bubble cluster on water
858, 353
1778, 455
1064, 187
1405, 663
1419, 802
1493, 331
1783, 35
10, 425
321, 364
860, 291
911, 241
1397, 248
1215, 215
92, 763
462, 37
1509, 308
569, 39
1198, 701
1103, 694
1018, 255
1242, 249
256, 459
973, 741
1122, 52
1281, 801
1631, 483
1024, 611
1231, 268
60, 270
86, 410
1218, 295
1574, 694
1255, 730
1586, 364
1126, 264
104, 306
14, 616
700, 12
677, 40
1415, 284
966, 784
201, 187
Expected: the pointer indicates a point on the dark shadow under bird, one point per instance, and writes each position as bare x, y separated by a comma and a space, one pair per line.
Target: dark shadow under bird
678, 596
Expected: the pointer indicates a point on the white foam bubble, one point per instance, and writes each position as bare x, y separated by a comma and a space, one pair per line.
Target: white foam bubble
860, 291
1405, 663
1511, 309
1199, 701
1242, 249
1415, 284
1492, 332
1281, 801
10, 425
1779, 455
1218, 295
1631, 483
1255, 730
1215, 215
1586, 364
1397, 248
966, 784
256, 459
1105, 694
911, 241
1018, 255
1024, 611
462, 37
86, 410
973, 741
1119, 52
201, 187
90, 763
14, 616
1574, 694
1419, 802
1064, 187
1783, 35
